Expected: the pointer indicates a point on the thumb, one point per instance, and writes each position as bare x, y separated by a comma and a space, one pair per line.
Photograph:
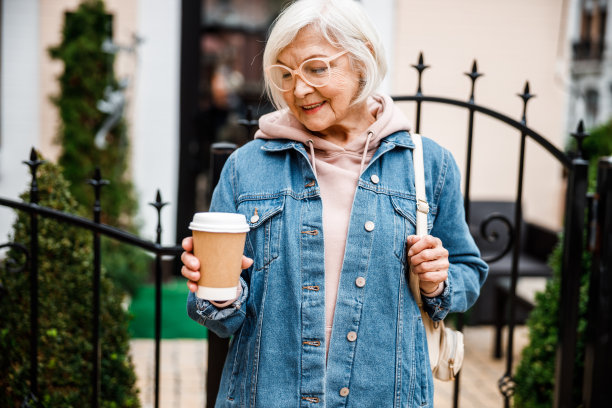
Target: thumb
246, 262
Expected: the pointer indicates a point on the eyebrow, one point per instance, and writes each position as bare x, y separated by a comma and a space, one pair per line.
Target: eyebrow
305, 59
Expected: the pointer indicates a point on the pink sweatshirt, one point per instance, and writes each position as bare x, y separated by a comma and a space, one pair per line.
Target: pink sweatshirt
337, 170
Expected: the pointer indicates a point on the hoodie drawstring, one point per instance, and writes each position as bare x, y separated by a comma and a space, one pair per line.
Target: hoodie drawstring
314, 165
365, 151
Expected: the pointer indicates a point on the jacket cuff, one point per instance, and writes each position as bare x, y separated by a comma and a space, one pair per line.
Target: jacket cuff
202, 310
438, 307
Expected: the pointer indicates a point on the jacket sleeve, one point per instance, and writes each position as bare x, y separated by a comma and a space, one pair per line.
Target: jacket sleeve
467, 271
222, 321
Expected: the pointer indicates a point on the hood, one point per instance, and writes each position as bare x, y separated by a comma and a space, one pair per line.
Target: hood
283, 125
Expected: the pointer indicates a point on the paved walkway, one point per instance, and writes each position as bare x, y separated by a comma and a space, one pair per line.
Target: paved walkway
183, 364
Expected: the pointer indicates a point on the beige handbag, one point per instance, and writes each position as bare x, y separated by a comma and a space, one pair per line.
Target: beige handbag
445, 345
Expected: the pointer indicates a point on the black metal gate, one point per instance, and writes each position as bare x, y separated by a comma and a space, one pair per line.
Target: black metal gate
576, 204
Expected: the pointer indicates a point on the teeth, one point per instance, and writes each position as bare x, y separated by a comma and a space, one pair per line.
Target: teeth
312, 106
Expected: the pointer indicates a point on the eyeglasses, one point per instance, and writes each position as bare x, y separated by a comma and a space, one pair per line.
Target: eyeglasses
315, 72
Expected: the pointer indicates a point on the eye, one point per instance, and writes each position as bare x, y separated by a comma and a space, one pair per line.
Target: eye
318, 70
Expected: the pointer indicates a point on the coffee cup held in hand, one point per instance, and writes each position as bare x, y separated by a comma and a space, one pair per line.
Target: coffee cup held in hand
218, 243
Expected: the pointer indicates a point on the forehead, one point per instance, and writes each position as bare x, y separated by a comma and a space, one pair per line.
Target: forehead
307, 43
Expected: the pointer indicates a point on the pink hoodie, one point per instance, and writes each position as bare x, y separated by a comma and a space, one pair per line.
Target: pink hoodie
337, 170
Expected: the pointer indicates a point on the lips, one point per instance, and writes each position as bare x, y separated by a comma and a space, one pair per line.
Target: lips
313, 107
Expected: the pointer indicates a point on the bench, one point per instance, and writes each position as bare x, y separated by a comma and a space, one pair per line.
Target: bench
536, 245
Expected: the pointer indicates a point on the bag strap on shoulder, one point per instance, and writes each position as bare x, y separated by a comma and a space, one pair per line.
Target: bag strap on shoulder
422, 208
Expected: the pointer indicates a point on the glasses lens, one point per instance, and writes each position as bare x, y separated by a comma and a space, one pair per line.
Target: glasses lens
316, 72
281, 77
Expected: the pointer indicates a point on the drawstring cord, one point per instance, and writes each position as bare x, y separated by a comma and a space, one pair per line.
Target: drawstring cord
363, 157
314, 165
365, 151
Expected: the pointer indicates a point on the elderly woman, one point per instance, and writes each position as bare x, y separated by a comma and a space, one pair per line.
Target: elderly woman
324, 317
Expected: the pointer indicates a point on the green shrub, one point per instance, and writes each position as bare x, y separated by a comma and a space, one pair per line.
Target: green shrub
88, 71
535, 374
65, 315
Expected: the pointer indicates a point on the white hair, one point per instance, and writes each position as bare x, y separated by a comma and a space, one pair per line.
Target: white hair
345, 25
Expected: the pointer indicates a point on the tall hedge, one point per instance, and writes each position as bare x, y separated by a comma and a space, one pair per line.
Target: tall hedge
88, 71
65, 315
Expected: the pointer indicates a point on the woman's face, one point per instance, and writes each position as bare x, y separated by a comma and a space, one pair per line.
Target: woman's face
327, 108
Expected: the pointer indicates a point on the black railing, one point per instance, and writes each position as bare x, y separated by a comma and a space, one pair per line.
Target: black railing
97, 229
571, 264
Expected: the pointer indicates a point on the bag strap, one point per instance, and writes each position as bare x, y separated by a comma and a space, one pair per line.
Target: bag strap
422, 206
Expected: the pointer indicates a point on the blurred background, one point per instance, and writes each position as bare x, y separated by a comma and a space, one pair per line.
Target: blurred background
191, 68
166, 79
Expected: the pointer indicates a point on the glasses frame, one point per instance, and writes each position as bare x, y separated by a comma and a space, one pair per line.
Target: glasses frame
298, 71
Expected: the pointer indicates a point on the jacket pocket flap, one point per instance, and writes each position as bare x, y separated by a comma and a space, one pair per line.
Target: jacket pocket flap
258, 211
406, 207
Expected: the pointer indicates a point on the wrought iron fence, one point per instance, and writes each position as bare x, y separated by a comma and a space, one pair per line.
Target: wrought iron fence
97, 228
576, 204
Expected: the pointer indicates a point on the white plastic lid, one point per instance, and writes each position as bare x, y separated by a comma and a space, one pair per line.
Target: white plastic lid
219, 222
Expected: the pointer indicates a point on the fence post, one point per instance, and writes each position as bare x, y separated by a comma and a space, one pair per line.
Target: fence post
217, 347
596, 390
97, 184
571, 271
33, 164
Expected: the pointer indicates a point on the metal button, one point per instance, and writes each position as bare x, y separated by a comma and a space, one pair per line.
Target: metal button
360, 281
254, 219
351, 336
374, 178
344, 391
369, 226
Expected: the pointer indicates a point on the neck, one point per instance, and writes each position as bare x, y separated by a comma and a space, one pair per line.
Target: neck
353, 127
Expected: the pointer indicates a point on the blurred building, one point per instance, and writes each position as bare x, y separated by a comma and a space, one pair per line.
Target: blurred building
591, 62
198, 68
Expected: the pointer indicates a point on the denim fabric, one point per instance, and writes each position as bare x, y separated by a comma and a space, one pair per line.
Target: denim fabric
378, 352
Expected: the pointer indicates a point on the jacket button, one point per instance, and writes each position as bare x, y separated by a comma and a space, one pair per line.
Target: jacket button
254, 219
351, 336
374, 178
369, 226
344, 391
360, 282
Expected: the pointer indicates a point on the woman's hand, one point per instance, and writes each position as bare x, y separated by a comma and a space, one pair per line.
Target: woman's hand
429, 260
191, 264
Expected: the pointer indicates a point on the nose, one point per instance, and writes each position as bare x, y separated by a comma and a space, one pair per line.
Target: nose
301, 88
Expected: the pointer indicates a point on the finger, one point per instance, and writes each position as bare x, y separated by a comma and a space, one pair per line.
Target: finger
246, 262
431, 266
411, 239
424, 242
433, 276
429, 254
193, 287
190, 261
193, 276
187, 244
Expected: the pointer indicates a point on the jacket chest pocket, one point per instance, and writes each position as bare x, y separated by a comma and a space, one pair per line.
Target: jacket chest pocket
264, 217
404, 224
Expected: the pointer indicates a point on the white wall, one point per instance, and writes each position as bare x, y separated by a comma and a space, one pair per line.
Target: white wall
155, 137
382, 13
19, 124
513, 41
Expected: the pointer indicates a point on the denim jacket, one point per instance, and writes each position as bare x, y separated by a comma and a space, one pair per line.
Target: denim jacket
378, 352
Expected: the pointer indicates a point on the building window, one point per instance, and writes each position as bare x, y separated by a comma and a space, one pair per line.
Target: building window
590, 45
591, 101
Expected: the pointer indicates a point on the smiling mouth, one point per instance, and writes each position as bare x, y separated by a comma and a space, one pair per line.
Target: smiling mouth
313, 106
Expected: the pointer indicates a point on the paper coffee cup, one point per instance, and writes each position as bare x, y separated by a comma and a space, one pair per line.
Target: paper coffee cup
218, 243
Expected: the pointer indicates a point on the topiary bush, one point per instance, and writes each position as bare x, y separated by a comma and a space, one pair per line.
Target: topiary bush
65, 315
88, 71
535, 373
